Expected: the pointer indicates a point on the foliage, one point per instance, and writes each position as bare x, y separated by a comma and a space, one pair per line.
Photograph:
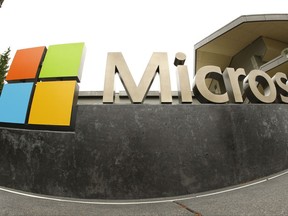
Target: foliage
4, 60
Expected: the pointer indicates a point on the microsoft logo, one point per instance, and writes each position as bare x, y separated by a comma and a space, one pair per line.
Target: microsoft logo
41, 89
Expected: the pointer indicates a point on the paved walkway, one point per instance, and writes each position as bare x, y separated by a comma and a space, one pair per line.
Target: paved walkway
267, 196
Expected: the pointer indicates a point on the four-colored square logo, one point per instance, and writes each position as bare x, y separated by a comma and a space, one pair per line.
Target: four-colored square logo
41, 88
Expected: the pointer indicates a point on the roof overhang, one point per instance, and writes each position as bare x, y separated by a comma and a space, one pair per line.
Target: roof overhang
278, 64
219, 48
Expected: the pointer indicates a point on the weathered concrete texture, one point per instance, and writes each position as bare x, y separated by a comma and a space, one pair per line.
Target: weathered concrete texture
145, 151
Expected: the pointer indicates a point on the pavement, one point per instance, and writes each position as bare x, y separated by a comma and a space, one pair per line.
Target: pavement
267, 196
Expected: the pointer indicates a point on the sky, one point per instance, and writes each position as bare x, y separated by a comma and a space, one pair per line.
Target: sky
137, 28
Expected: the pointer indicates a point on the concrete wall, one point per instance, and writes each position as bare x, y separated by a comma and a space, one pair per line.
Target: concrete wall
144, 151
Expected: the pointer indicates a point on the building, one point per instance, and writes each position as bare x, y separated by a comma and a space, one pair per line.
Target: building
1, 2
249, 42
136, 151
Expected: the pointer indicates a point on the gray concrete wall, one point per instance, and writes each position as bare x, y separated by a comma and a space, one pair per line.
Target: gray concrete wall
144, 151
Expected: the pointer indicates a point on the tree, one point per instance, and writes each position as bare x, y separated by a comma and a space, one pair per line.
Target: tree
4, 59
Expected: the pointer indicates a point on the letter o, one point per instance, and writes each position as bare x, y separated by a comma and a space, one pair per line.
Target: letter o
254, 78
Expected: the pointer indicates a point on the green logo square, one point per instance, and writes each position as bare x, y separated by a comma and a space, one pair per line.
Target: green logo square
63, 61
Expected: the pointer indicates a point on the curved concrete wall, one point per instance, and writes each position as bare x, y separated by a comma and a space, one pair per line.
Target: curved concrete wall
145, 151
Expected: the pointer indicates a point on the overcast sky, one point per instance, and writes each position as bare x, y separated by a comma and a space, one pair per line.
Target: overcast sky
137, 28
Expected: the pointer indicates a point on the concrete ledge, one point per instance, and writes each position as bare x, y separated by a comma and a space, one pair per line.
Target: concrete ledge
147, 151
